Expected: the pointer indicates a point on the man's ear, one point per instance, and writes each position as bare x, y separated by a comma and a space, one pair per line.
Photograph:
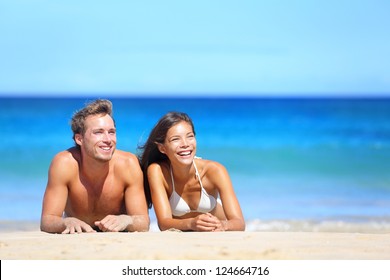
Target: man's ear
79, 139
161, 148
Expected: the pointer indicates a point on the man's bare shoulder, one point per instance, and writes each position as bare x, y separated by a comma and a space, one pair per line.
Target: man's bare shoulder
158, 168
127, 163
127, 167
125, 158
65, 165
68, 157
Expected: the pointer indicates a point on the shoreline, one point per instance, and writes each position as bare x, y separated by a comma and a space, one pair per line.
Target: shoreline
373, 226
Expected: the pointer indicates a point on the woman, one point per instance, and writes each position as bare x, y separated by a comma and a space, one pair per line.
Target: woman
188, 193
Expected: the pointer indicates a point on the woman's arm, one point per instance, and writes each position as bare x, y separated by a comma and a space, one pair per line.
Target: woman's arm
219, 177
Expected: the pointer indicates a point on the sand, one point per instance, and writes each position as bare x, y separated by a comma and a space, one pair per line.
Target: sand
26, 242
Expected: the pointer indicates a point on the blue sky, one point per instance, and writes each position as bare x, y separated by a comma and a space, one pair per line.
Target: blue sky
278, 47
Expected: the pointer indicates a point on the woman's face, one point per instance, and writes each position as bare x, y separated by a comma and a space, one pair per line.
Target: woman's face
180, 143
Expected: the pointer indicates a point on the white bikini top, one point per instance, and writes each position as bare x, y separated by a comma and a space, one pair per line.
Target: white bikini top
179, 207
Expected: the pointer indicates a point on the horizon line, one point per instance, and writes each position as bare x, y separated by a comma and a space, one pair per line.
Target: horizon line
73, 94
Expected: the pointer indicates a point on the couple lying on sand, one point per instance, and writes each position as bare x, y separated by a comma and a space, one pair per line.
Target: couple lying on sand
94, 187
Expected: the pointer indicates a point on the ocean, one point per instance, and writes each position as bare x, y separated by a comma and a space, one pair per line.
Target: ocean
290, 159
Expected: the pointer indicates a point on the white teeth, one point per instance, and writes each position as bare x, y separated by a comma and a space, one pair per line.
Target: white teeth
184, 153
106, 148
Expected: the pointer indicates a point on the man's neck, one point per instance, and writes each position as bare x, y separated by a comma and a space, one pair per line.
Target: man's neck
94, 170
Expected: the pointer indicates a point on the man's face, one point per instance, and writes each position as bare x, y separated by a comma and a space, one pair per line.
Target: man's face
99, 139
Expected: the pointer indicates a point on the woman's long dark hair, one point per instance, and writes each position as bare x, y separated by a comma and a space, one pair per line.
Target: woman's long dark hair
150, 152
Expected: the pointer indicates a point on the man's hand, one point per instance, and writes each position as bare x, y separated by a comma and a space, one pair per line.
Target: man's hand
74, 225
113, 223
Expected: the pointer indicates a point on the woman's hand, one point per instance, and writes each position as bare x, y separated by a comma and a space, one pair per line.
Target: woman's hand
207, 222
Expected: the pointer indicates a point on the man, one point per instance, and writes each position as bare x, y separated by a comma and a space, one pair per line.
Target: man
93, 187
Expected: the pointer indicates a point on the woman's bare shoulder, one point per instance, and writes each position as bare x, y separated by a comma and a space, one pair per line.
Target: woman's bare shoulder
210, 165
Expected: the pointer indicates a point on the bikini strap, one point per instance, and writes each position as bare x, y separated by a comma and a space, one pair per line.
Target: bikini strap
197, 175
173, 181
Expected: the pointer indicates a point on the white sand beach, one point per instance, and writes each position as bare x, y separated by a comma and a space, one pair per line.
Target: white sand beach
26, 242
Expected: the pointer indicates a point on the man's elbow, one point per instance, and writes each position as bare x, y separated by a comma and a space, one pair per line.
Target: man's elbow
49, 225
43, 225
141, 224
146, 224
45, 228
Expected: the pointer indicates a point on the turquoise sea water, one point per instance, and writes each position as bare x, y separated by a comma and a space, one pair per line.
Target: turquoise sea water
289, 158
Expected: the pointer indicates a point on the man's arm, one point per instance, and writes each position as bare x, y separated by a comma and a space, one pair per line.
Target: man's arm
135, 199
55, 198
136, 217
